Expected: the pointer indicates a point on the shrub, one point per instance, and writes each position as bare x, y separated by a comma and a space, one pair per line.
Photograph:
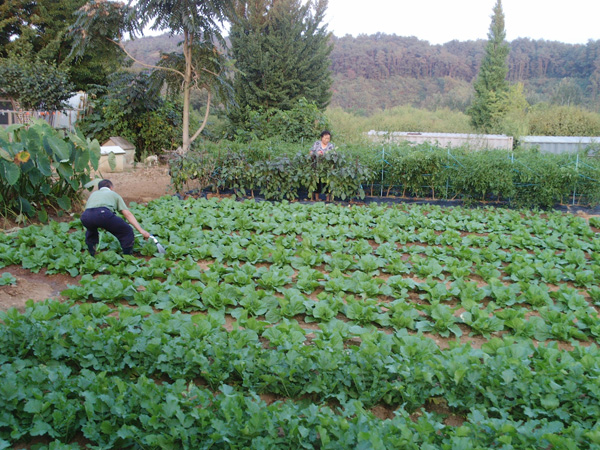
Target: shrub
587, 178
542, 180
479, 175
303, 123
277, 171
277, 177
36, 84
195, 170
132, 108
546, 120
418, 171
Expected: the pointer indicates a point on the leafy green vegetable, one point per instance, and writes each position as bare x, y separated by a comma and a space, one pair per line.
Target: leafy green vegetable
7, 279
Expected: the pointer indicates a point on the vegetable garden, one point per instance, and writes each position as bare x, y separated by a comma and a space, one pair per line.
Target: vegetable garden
287, 325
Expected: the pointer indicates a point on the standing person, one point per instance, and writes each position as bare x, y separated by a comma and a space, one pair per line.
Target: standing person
100, 212
319, 148
322, 146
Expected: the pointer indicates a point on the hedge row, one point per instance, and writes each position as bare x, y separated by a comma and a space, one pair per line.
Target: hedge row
522, 178
276, 178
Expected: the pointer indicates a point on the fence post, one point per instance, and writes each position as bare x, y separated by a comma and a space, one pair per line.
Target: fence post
447, 177
382, 167
512, 162
575, 184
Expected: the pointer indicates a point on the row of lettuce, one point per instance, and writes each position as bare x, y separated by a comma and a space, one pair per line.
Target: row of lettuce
524, 178
261, 278
122, 382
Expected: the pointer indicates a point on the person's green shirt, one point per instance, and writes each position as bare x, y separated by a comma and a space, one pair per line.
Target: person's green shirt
107, 198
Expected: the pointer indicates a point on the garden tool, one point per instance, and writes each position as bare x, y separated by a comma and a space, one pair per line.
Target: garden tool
159, 247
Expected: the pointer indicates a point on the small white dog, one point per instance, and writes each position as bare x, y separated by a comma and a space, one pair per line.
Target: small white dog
152, 160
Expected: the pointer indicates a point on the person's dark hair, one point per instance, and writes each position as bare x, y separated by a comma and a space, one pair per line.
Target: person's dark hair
105, 183
325, 133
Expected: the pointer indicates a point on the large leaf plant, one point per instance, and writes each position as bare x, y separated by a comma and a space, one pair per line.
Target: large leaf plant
41, 169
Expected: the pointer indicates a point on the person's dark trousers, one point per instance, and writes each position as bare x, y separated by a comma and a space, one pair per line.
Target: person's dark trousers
104, 218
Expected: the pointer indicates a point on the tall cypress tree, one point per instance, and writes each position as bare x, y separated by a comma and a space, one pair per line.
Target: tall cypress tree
491, 87
281, 50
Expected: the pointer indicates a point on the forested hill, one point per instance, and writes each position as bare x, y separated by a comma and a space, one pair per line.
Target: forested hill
381, 71
380, 56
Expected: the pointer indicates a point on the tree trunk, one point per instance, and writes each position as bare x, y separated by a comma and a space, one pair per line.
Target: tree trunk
187, 80
205, 121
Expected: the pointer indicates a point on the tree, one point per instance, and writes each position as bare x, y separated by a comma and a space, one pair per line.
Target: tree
196, 20
515, 120
38, 30
281, 50
491, 86
35, 84
567, 93
132, 107
15, 17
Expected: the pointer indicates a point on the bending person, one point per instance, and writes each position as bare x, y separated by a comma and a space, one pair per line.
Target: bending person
100, 212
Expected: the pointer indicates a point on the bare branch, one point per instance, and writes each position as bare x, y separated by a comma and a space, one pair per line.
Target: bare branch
210, 71
197, 133
122, 47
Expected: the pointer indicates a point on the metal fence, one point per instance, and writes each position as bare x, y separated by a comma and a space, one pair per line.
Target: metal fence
584, 172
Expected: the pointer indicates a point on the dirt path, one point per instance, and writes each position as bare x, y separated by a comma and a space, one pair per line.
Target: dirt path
142, 184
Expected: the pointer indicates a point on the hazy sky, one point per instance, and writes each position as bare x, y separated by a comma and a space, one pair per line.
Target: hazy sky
440, 21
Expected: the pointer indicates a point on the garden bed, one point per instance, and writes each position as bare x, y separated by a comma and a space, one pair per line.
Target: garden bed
476, 323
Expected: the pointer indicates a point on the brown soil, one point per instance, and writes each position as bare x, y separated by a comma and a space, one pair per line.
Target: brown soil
142, 184
34, 286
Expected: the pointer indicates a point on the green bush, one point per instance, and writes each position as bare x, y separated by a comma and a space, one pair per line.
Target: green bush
553, 120
132, 108
587, 180
417, 171
341, 175
37, 85
277, 177
303, 123
238, 172
482, 175
542, 180
43, 169
195, 170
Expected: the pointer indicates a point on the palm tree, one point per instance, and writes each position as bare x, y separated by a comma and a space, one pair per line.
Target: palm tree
199, 66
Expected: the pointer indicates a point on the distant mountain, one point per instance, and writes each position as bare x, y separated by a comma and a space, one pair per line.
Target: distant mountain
381, 71
148, 49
